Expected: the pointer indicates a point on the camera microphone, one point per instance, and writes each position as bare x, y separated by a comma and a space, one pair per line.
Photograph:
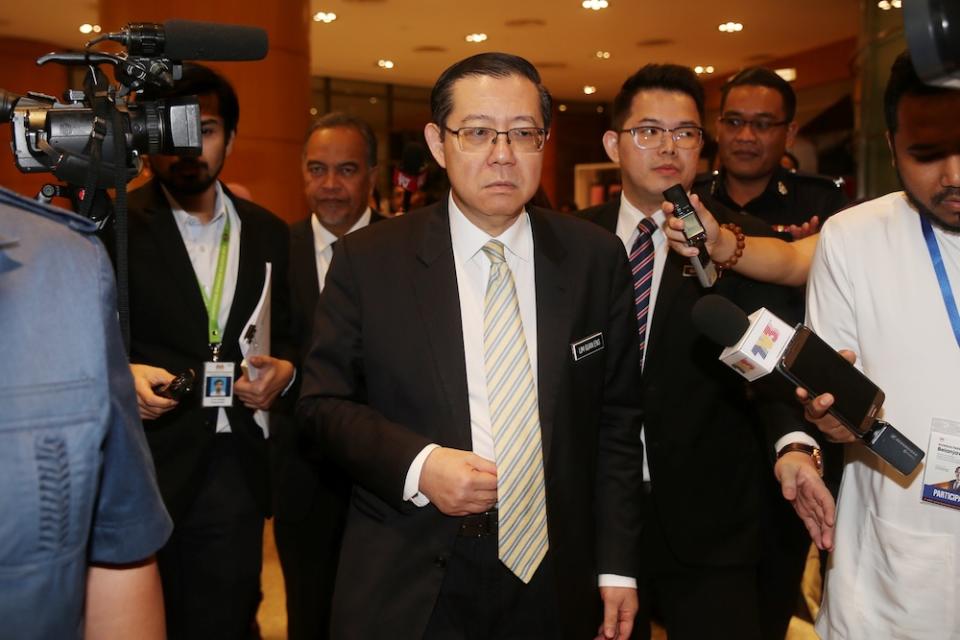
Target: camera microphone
760, 343
192, 40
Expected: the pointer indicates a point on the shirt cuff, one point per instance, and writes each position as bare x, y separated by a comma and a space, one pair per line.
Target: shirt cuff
613, 580
293, 379
795, 436
411, 486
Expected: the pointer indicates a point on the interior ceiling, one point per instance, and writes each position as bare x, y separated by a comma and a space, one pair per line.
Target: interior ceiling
423, 37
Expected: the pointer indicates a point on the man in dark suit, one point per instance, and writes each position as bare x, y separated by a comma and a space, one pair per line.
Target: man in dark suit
472, 369
197, 270
701, 550
310, 500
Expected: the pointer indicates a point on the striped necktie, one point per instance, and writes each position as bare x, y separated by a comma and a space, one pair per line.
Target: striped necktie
641, 264
515, 422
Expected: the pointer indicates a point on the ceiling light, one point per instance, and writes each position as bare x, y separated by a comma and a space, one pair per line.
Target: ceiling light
385, 64
886, 5
731, 27
325, 17
701, 69
476, 37
789, 74
313, 111
596, 5
562, 108
89, 28
589, 89
603, 55
600, 109
373, 100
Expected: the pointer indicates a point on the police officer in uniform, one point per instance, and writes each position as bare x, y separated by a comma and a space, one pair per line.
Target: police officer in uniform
755, 127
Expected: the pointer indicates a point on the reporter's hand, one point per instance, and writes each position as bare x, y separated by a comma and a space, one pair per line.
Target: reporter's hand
620, 605
808, 228
459, 482
150, 405
274, 376
803, 487
815, 410
674, 229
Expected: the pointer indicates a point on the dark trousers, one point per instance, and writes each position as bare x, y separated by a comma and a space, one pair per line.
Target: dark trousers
694, 602
480, 599
309, 549
210, 567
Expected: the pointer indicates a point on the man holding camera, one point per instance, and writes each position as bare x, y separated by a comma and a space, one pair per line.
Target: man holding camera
197, 270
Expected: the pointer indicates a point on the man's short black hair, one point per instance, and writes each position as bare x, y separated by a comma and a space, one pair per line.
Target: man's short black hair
495, 65
199, 80
904, 81
763, 77
337, 120
665, 77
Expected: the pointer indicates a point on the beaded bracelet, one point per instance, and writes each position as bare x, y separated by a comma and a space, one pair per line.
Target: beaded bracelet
741, 243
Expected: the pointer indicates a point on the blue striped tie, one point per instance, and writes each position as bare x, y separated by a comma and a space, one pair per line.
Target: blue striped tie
641, 264
515, 423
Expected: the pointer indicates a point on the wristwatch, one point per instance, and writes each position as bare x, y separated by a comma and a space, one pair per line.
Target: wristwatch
814, 453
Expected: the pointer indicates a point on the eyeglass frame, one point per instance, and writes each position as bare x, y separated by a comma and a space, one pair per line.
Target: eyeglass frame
663, 130
752, 123
543, 133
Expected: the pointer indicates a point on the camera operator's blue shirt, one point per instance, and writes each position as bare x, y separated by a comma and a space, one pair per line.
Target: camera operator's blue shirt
76, 478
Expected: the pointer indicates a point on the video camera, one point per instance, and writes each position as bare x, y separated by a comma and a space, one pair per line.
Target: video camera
76, 140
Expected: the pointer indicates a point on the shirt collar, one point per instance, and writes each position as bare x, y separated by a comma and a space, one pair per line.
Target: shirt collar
629, 217
323, 238
468, 239
182, 217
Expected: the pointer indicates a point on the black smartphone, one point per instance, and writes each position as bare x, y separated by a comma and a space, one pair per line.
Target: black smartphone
811, 363
178, 387
694, 232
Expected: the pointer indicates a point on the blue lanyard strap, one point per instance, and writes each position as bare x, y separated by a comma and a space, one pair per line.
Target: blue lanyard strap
945, 290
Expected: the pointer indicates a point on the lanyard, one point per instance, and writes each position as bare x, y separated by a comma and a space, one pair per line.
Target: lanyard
213, 301
945, 290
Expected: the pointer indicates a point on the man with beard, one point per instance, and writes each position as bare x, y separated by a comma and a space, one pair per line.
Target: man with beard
339, 170
197, 269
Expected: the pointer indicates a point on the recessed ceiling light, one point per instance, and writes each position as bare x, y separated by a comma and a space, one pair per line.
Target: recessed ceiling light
596, 5
600, 109
603, 55
562, 108
701, 69
886, 5
324, 16
788, 74
385, 64
89, 28
313, 111
476, 37
589, 89
731, 27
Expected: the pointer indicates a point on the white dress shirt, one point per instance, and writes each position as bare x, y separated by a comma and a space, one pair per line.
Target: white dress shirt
202, 242
323, 242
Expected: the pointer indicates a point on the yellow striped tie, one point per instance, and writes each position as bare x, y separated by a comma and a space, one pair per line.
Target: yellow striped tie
515, 423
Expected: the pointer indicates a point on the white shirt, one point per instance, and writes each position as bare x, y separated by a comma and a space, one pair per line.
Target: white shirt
202, 242
895, 571
627, 221
323, 242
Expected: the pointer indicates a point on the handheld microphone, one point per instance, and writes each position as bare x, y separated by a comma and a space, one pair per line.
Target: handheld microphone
760, 343
410, 174
695, 234
193, 40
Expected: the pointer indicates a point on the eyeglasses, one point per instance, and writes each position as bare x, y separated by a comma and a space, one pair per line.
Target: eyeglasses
650, 137
480, 139
761, 125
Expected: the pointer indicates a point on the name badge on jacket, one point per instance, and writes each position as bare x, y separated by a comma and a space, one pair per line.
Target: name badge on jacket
586, 346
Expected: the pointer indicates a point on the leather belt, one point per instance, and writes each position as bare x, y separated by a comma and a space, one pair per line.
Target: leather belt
478, 525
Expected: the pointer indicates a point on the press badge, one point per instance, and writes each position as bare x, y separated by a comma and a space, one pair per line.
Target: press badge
941, 473
583, 348
218, 384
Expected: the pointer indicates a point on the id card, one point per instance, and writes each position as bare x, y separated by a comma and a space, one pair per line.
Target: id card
218, 384
941, 476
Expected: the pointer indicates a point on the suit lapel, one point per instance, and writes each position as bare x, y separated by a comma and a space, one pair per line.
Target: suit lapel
250, 278
553, 320
671, 282
438, 299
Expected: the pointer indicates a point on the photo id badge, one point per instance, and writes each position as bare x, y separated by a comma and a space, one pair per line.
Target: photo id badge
941, 476
218, 384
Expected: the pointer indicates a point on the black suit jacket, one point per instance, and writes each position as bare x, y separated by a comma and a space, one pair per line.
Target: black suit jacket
296, 482
703, 419
168, 327
386, 376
